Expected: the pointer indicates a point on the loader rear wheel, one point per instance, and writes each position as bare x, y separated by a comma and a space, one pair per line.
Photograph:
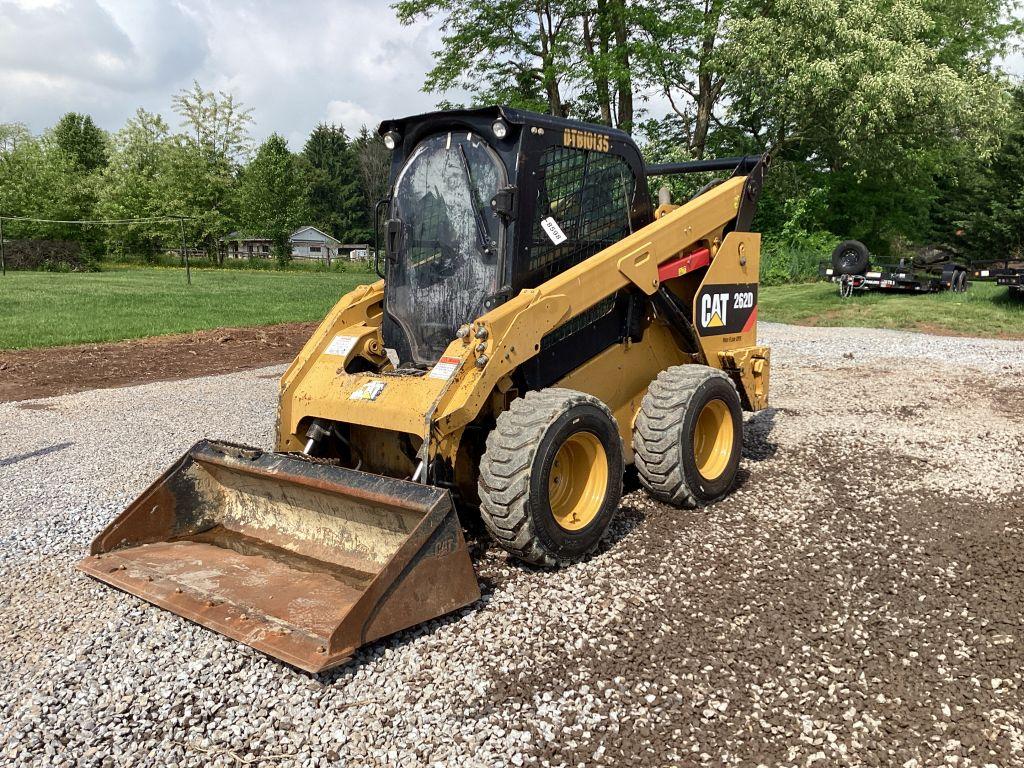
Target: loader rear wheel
688, 436
551, 477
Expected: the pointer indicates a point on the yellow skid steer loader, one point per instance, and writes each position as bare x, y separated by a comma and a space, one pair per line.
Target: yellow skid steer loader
539, 325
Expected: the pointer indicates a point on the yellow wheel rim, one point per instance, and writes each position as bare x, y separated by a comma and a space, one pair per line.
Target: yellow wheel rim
578, 481
713, 439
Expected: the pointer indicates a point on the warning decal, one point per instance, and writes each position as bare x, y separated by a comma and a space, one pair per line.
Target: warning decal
445, 368
341, 345
721, 309
369, 390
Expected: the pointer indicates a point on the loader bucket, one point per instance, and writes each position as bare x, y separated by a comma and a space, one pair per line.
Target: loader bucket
301, 560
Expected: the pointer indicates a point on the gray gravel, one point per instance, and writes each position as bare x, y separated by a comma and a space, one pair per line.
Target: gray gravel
857, 601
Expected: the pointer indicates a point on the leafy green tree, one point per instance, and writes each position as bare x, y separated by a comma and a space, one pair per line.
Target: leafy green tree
493, 48
215, 122
528, 53
336, 203
273, 195
80, 138
876, 97
130, 186
677, 54
40, 180
200, 177
980, 207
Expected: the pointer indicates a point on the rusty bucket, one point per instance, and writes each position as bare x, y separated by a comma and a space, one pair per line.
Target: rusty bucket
301, 560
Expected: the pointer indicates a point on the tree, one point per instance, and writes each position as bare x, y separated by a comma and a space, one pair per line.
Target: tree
677, 54
203, 163
527, 53
40, 180
130, 186
336, 203
79, 137
273, 195
981, 204
876, 97
215, 122
373, 161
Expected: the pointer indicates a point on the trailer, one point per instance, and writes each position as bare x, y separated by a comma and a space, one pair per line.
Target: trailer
851, 269
1004, 272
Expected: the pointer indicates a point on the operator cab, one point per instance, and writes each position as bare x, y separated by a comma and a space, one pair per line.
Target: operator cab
484, 203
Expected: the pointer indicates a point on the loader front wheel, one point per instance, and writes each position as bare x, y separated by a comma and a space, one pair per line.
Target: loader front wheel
688, 436
551, 477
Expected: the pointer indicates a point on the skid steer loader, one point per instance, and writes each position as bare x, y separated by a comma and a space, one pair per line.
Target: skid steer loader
539, 325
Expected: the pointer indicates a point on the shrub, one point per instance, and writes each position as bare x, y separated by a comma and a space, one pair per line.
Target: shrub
794, 257
47, 255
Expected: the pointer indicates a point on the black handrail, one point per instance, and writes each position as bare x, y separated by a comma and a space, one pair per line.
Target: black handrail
743, 164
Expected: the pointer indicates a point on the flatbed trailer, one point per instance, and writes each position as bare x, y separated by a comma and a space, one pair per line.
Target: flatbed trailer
898, 278
1005, 272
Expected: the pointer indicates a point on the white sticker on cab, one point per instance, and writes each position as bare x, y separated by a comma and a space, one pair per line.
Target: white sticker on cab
551, 228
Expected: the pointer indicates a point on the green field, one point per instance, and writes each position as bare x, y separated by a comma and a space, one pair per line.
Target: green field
985, 310
46, 309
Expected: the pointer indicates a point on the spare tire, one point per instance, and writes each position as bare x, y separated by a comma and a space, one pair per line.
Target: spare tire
850, 258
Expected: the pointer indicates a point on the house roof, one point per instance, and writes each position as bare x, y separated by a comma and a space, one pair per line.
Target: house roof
296, 235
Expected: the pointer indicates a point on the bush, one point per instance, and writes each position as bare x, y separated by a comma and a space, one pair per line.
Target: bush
47, 256
794, 257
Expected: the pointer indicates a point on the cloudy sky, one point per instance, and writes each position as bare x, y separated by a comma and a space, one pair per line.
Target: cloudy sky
296, 62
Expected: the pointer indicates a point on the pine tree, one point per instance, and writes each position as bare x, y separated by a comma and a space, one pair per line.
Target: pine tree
335, 196
84, 142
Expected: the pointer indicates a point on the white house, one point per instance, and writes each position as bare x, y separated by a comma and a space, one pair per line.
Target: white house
311, 243
306, 242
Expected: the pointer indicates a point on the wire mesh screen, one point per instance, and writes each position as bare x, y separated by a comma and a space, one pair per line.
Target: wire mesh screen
588, 194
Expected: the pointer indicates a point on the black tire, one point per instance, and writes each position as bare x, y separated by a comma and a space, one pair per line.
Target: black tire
516, 472
850, 257
664, 435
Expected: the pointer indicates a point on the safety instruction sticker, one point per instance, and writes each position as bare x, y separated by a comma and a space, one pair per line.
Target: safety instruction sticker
551, 228
369, 390
341, 345
445, 368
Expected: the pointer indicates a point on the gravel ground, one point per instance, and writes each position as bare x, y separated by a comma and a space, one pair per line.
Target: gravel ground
857, 601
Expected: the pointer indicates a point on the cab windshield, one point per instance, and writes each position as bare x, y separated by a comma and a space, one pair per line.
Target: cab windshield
446, 256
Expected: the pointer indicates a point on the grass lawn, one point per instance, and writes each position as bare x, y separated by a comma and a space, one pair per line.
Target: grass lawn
45, 309
985, 310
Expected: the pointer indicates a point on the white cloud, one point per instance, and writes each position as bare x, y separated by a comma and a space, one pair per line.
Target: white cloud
350, 115
295, 63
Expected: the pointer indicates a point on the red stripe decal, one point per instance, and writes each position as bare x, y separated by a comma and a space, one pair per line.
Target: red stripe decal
750, 320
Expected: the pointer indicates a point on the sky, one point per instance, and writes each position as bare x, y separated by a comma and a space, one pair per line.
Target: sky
295, 62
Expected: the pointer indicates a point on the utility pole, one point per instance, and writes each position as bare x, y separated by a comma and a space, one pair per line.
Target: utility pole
3, 258
184, 253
